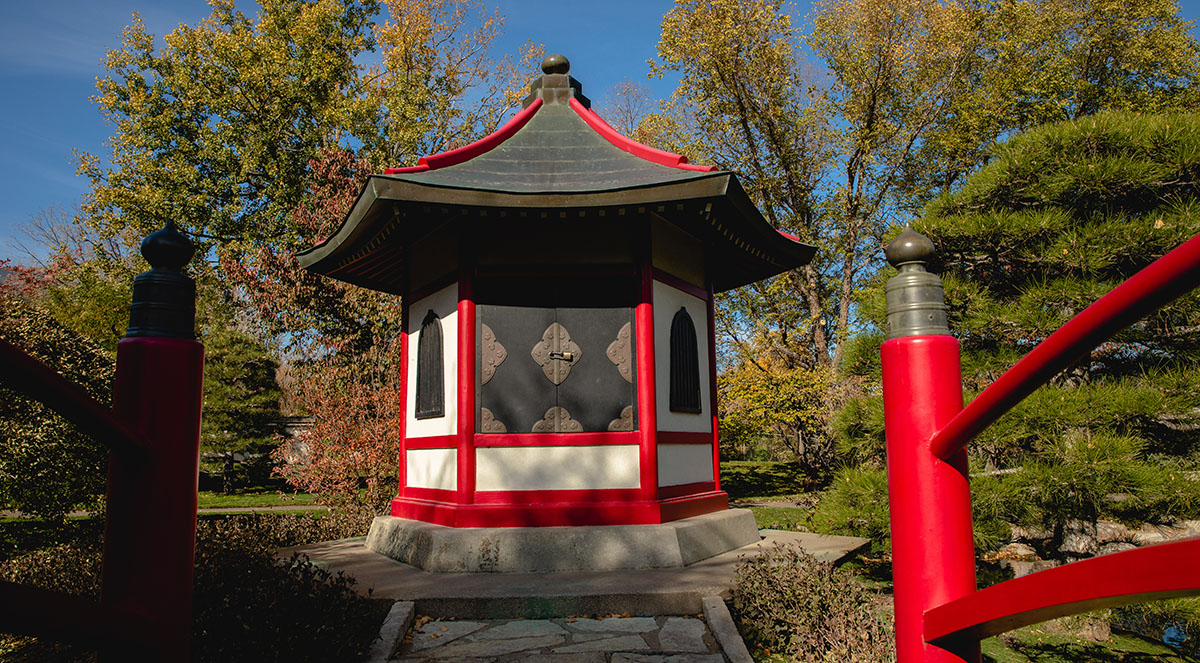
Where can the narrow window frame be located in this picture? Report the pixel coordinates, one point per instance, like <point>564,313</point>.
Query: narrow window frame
<point>685,391</point>
<point>430,388</point>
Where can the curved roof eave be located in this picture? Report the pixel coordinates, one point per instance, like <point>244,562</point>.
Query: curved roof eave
<point>558,154</point>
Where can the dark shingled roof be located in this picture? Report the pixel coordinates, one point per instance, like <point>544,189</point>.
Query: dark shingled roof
<point>555,154</point>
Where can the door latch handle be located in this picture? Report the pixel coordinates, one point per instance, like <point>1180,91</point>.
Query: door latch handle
<point>565,356</point>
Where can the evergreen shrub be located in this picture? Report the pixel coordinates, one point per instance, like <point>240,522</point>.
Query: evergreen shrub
<point>248,605</point>
<point>856,504</point>
<point>48,467</point>
<point>788,602</point>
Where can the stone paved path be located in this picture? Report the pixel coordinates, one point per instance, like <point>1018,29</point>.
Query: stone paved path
<point>562,640</point>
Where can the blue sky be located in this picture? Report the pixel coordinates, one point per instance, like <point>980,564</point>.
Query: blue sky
<point>51,52</point>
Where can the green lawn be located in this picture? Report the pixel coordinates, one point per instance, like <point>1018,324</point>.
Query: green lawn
<point>1039,644</point>
<point>210,499</point>
<point>779,517</point>
<point>743,478</point>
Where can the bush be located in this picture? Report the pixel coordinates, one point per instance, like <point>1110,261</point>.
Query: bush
<point>788,602</point>
<point>251,607</point>
<point>73,568</point>
<point>248,605</point>
<point>266,531</point>
<point>856,504</point>
<point>48,467</point>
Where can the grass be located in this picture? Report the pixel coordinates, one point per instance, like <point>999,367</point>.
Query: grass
<point>743,478</point>
<point>1039,644</point>
<point>259,498</point>
<point>780,518</point>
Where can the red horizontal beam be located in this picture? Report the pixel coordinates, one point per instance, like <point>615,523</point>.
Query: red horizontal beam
<point>1162,281</point>
<point>34,611</point>
<point>1163,571</point>
<point>588,439</point>
<point>26,375</point>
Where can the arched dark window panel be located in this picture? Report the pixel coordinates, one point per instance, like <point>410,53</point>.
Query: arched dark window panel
<point>685,364</point>
<point>429,369</point>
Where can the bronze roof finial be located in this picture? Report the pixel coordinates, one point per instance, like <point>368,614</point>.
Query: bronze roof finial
<point>556,63</point>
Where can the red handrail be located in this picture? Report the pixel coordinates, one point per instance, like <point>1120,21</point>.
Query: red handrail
<point>1162,281</point>
<point>940,616</point>
<point>1163,571</point>
<point>26,375</point>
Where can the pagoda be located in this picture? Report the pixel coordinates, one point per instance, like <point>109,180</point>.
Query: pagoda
<point>557,281</point>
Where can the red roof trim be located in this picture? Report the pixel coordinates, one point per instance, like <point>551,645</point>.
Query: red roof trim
<point>632,146</point>
<point>468,152</point>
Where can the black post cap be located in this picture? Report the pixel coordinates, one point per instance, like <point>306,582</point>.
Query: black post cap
<point>164,298</point>
<point>909,246</point>
<point>916,305</point>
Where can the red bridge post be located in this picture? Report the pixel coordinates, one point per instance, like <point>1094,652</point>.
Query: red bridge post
<point>933,556</point>
<point>150,526</point>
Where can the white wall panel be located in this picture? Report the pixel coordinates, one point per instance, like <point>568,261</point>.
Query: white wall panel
<point>432,468</point>
<point>557,468</point>
<point>444,304</point>
<point>684,463</point>
<point>667,302</point>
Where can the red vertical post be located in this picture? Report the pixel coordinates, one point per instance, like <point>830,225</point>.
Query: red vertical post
<point>402,428</point>
<point>647,396</point>
<point>150,513</point>
<point>933,555</point>
<point>466,378</point>
<point>712,386</point>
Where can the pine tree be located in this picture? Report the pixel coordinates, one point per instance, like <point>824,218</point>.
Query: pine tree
<point>241,408</point>
<point>1060,216</point>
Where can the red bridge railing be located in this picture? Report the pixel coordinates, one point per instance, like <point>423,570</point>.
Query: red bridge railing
<point>153,434</point>
<point>940,616</point>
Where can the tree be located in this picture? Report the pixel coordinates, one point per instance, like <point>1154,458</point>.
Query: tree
<point>626,105</point>
<point>345,363</point>
<point>349,455</point>
<point>822,154</point>
<point>47,467</point>
<point>256,133</point>
<point>904,99</point>
<point>1061,216</point>
<point>84,280</point>
<point>439,88</point>
<point>1041,61</point>
<point>821,160</point>
<point>215,130</point>
<point>241,408</point>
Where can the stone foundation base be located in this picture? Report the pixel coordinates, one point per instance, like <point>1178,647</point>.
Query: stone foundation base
<point>441,549</point>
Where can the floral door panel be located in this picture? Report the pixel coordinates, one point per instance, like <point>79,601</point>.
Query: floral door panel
<point>555,370</point>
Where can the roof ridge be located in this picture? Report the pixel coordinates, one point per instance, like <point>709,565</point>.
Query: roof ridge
<point>627,144</point>
<point>472,150</point>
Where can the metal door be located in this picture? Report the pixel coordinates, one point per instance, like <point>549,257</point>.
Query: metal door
<point>555,370</point>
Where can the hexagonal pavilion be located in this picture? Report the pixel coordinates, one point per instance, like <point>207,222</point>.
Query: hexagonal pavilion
<point>557,282</point>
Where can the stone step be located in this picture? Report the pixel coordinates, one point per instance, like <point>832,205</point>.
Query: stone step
<point>669,591</point>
